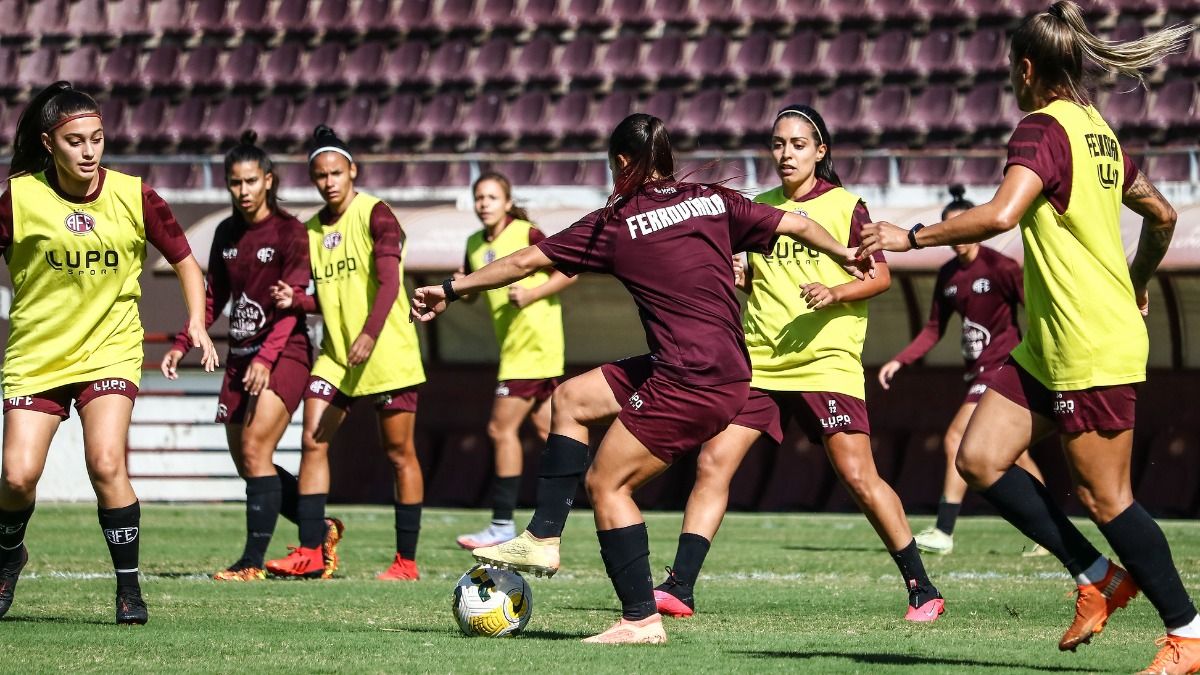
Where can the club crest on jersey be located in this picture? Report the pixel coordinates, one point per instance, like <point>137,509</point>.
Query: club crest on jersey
<point>950,291</point>
<point>222,411</point>
<point>229,253</point>
<point>266,254</point>
<point>331,240</point>
<point>489,256</point>
<point>981,286</point>
<point>246,319</point>
<point>79,222</point>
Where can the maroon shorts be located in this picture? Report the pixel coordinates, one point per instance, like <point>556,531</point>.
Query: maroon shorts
<point>979,384</point>
<point>289,377</point>
<point>538,390</point>
<point>1095,409</point>
<point>819,414</point>
<point>57,401</point>
<point>400,400</point>
<point>670,418</point>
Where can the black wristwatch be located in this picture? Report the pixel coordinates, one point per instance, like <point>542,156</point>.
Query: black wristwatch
<point>448,289</point>
<point>912,236</point>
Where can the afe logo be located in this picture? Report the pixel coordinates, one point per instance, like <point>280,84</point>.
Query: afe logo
<point>332,240</point>
<point>981,286</point>
<point>489,256</point>
<point>80,223</point>
<point>321,388</point>
<point>266,255</point>
<point>121,535</point>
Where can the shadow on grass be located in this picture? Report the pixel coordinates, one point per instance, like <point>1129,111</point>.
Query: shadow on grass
<point>56,619</point>
<point>906,660</point>
<point>529,634</point>
<point>826,549</point>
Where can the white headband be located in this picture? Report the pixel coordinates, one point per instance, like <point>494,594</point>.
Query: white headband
<point>805,116</point>
<point>330,148</point>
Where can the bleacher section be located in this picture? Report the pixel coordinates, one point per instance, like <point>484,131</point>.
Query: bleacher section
<point>178,76</point>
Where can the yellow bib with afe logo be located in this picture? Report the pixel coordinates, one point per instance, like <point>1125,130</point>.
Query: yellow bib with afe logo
<point>792,347</point>
<point>1085,329</point>
<point>75,270</point>
<point>343,267</point>
<point>530,339</point>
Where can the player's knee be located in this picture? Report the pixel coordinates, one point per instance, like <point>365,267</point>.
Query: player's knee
<point>951,441</point>
<point>711,471</point>
<point>567,400</point>
<point>597,485</point>
<point>309,444</point>
<point>20,483</point>
<point>106,467</point>
<point>1102,507</point>
<point>402,455</point>
<point>969,466</point>
<point>498,432</point>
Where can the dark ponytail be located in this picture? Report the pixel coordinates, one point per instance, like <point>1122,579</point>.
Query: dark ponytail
<point>48,109</point>
<point>643,140</point>
<point>824,170</point>
<point>957,202</point>
<point>247,150</point>
<point>515,212</point>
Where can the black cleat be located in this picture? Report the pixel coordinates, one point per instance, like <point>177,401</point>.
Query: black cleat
<point>9,574</point>
<point>131,609</point>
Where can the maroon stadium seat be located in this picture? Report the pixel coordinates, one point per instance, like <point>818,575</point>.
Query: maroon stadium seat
<point>845,58</point>
<point>46,20</point>
<point>171,18</point>
<point>753,63</point>
<point>903,13</point>
<point>365,68</point>
<point>595,173</point>
<point>938,57</point>
<point>39,68</point>
<point>12,29</point>
<point>662,61</point>
<point>1175,107</point>
<point>1167,486</point>
<point>746,117</point>
<point>980,171</point>
<point>992,12</point>
<point>295,19</point>
<point>439,174</point>
<point>311,111</point>
<point>114,111</point>
<point>569,117</point>
<point>481,123</point>
<point>860,170</point>
<point>800,477</point>
<point>375,19</point>
<point>230,117</point>
<point>1182,6</point>
<point>587,14</point>
<point>211,17</point>
<point>161,70</point>
<point>700,118</point>
<point>176,176</point>
<point>985,53</point>
<point>679,14</point>
<point>503,17</point>
<point>457,17</point>
<point>186,124</point>
<point>983,110</point>
<point>269,118</point>
<point>919,482</point>
<point>491,63</point>
<point>284,68</point>
<point>448,66</point>
<point>414,17</point>
<point>844,103</point>
<point>440,120</point>
<point>145,119</point>
<point>889,104</point>
<point>1126,108</point>
<point>891,56</point>
<point>335,18</point>
<point>799,58</point>
<point>727,15</point>
<point>253,17</point>
<point>709,59</point>
<point>1186,62</point>
<point>382,174</point>
<point>292,174</point>
<point>778,14</point>
<point>356,117</point>
<point>579,61</point>
<point>607,114</point>
<point>1174,167</point>
<point>1127,28</point>
<point>518,172</point>
<point>129,20</point>
<point>546,14</point>
<point>242,67</point>
<point>855,13</point>
<point>325,67</point>
<point>408,65</point>
<point>932,112</point>
<point>82,69</point>
<point>622,61</point>
<point>632,14</point>
<point>201,69</point>
<point>558,172</point>
<point>535,64</point>
<point>395,122</point>
<point>951,12</point>
<point>121,71</point>
<point>525,121</point>
<point>927,170</point>
<point>662,104</point>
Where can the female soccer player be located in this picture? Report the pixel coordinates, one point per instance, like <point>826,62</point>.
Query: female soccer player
<point>1076,370</point>
<point>984,286</point>
<point>269,351</point>
<point>369,350</point>
<point>805,324</point>
<point>74,235</point>
<point>527,319</point>
<point>669,243</point>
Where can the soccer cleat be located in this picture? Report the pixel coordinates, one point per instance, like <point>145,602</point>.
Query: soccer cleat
<point>131,609</point>
<point>673,598</point>
<point>1036,552</point>
<point>489,536</point>
<point>1176,656</point>
<point>334,529</point>
<point>402,569</point>
<point>625,632</point>
<point>525,553</point>
<point>8,579</point>
<point>923,612</point>
<point>1095,604</point>
<point>241,572</point>
<point>933,540</point>
<point>308,563</point>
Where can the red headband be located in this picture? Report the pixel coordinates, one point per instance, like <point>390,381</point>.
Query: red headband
<point>72,118</point>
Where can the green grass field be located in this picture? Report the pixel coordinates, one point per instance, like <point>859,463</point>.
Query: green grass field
<point>780,593</point>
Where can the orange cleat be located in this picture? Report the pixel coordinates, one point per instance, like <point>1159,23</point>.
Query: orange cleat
<point>300,562</point>
<point>402,569</point>
<point>625,632</point>
<point>333,536</point>
<point>1176,656</point>
<point>241,574</point>
<point>1095,604</point>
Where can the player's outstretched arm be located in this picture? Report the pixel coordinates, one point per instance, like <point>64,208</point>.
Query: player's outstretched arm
<point>810,232</point>
<point>429,301</point>
<point>1158,226</point>
<point>192,281</point>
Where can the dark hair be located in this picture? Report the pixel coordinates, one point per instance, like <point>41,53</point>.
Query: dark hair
<point>824,170</point>
<point>643,140</point>
<point>50,107</point>
<point>247,150</point>
<point>324,138</point>
<point>957,202</point>
<point>515,212</point>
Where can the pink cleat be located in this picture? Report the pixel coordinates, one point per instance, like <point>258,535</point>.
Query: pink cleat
<point>625,632</point>
<point>671,605</point>
<point>927,612</point>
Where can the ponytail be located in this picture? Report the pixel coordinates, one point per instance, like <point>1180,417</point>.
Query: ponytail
<point>52,106</point>
<point>515,212</point>
<point>824,169</point>
<point>247,150</point>
<point>957,202</point>
<point>642,139</point>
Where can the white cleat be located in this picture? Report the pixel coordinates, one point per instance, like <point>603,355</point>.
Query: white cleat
<point>933,540</point>
<point>493,534</point>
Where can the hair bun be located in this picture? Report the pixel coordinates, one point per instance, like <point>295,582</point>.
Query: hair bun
<point>323,130</point>
<point>249,137</point>
<point>957,191</point>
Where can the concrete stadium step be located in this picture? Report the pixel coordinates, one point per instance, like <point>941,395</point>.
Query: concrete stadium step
<point>189,465</point>
<point>182,409</point>
<point>190,436</point>
<point>189,489</point>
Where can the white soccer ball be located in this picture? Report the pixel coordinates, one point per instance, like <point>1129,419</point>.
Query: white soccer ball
<point>492,602</point>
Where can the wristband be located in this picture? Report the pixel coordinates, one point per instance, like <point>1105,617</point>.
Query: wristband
<point>448,289</point>
<point>912,236</point>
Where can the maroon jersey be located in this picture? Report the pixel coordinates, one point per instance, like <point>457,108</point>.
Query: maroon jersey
<point>246,258</point>
<point>985,293</point>
<point>670,245</point>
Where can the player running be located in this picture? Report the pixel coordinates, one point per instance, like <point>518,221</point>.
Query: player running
<point>984,286</point>
<point>1077,368</point>
<point>527,319</point>
<point>269,351</point>
<point>74,235</point>
<point>369,349</point>
<point>805,324</point>
<point>669,243</point>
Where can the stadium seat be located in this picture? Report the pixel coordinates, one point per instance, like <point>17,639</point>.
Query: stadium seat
<point>891,103</point>
<point>662,61</point>
<point>774,14</point>
<point>382,175</point>
<point>293,174</point>
<point>414,17</point>
<point>394,123</point>
<point>408,65</point>
<point>160,73</point>
<point>1173,167</point>
<point>909,14</point>
<point>47,21</point>
<point>662,104</point>
<point>844,103</point>
<point>254,18</point>
<point>845,58</point>
<point>231,116</point>
<point>12,29</point>
<point>177,176</point>
<point>39,68</point>
<point>677,14</point>
<point>439,174</point>
<point>525,121</point>
<point>169,18</point>
<point>295,19</point>
<point>720,13</point>
<point>503,17</point>
<point>284,68</point>
<point>491,64</point>
<point>874,170</point>
<point>375,20</point>
<point>985,54</point>
<point>518,172</point>
<point>448,65</point>
<point>121,72</point>
<point>186,125</point>
<point>211,18</point>
<point>129,20</point>
<point>596,174</point>
<point>1175,108</point>
<point>1186,62</point>
<point>983,110</point>
<point>116,133</point>
<point>587,14</point>
<point>622,61</point>
<point>335,20</point>
<point>355,117</point>
<point>324,68</point>
<point>606,115</point>
<point>81,68</point>
<point>634,15</point>
<point>535,65</point>
<point>578,63</point>
<point>456,17</point>
<point>980,171</point>
<point>545,14</point>
<point>855,14</point>
<point>799,57</point>
<point>753,62</point>
<point>938,57</point>
<point>439,121</point>
<point>269,118</point>
<point>700,119</point>
<point>709,59</point>
<point>951,13</point>
<point>568,119</point>
<point>746,118</point>
<point>241,68</point>
<point>891,56</point>
<point>479,128</point>
<point>1167,486</point>
<point>145,119</point>
<point>365,67</point>
<point>927,170</point>
<point>931,113</point>
<point>201,70</point>
<point>311,111</point>
<point>1126,110</point>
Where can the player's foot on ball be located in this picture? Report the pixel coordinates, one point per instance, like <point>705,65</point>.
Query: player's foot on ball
<point>9,573</point>
<point>496,533</point>
<point>402,569</point>
<point>925,604</point>
<point>933,540</point>
<point>673,598</point>
<point>334,529</point>
<point>131,609</point>
<point>1176,656</point>
<point>625,632</point>
<point>525,553</point>
<point>241,570</point>
<point>299,562</point>
<point>1036,552</point>
<point>1095,604</point>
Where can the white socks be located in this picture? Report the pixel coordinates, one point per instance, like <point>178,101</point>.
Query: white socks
<point>1094,574</point>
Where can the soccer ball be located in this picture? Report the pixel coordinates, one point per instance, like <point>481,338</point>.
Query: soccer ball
<point>492,602</point>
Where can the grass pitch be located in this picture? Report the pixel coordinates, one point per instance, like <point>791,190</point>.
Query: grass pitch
<point>780,592</point>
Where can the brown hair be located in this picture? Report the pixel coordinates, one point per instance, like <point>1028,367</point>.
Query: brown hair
<point>515,212</point>
<point>50,108</point>
<point>1061,48</point>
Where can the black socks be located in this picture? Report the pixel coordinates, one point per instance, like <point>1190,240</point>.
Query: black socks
<point>1139,543</point>
<point>263,496</point>
<point>122,532</point>
<point>626,553</point>
<point>504,497</point>
<point>12,531</point>
<point>310,512</point>
<point>912,570</point>
<point>289,494</point>
<point>1026,503</point>
<point>564,462</point>
<point>947,515</point>
<point>689,558</point>
<point>408,529</point>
